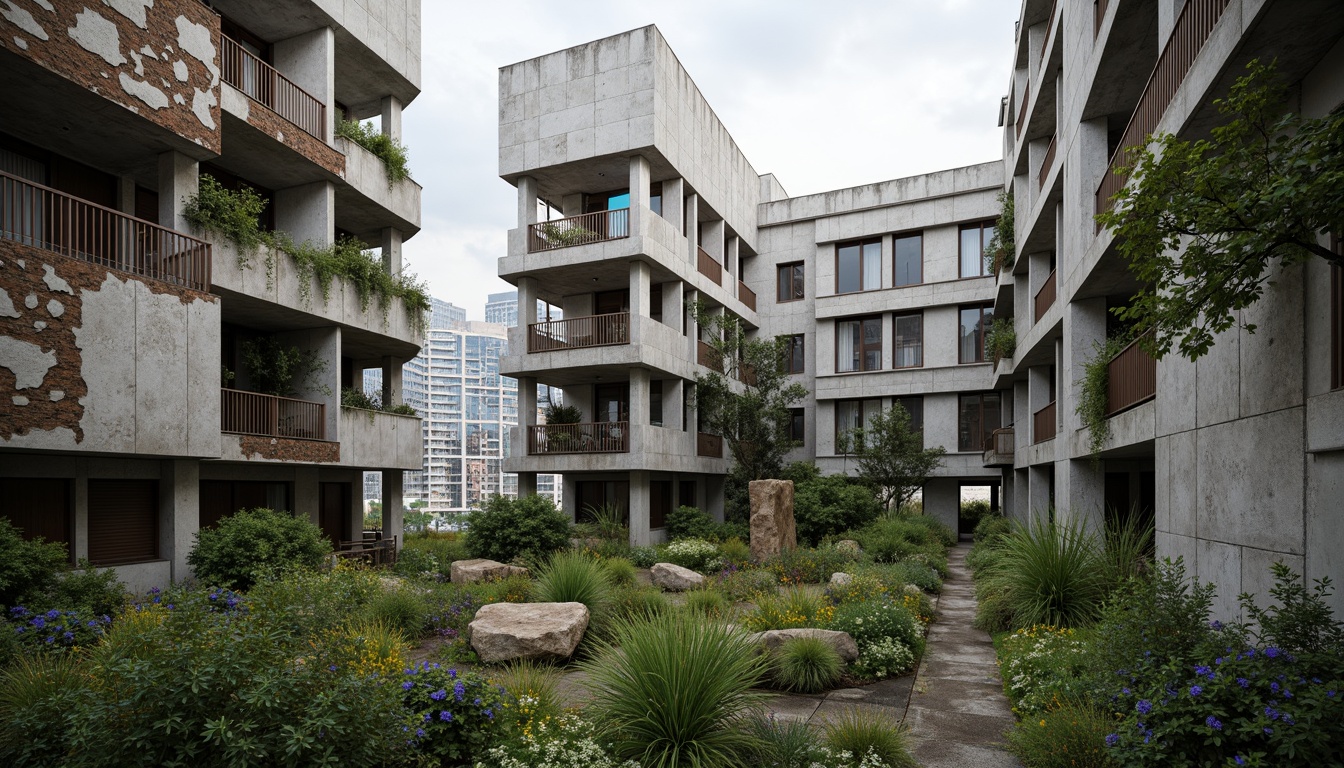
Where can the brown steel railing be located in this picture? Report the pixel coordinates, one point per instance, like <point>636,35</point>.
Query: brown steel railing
<point>746,295</point>
<point>1047,163</point>
<point>1045,297</point>
<point>1192,30</point>
<point>1131,378</point>
<point>1050,25</point>
<point>253,413</point>
<point>374,552</point>
<point>1043,424</point>
<point>593,437</point>
<point>45,218</point>
<point>708,266</point>
<point>708,356</point>
<point>999,448</point>
<point>1022,111</point>
<point>708,445</point>
<point>264,84</point>
<point>579,332</point>
<point>578,230</point>
<point>1098,15</point>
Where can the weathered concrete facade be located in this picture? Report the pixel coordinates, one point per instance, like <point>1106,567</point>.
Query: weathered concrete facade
<point>128,412</point>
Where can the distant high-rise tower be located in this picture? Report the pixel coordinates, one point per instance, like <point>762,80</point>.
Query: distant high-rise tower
<point>502,308</point>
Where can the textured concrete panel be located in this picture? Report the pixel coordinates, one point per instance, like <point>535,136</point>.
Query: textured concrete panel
<point>1324,523</point>
<point>1220,564</point>
<point>161,374</point>
<point>1183,487</point>
<point>1241,471</point>
<point>1218,381</point>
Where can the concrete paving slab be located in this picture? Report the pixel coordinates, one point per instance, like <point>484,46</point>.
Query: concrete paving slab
<point>889,693</point>
<point>831,710</point>
<point>957,726</point>
<point>932,753</point>
<point>961,696</point>
<point>959,670</point>
<point>793,708</point>
<point>973,654</point>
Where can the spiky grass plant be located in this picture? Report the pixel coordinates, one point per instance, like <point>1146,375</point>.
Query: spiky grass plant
<point>574,577</point>
<point>35,692</point>
<point>861,731</point>
<point>669,692</point>
<point>709,603</point>
<point>1073,734</point>
<point>807,665</point>
<point>532,690</point>
<point>622,571</point>
<point>1049,573</point>
<point>785,743</point>
<point>1128,547</point>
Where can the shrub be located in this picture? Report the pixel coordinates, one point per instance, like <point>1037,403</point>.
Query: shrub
<point>918,574</point>
<point>695,554</point>
<point>787,744</point>
<point>1127,548</point>
<point>621,570</point>
<point>401,608</point>
<point>310,603</point>
<point>644,557</point>
<point>509,529</point>
<point>747,586</point>
<point>635,602</point>
<point>573,577</point>
<point>823,506</point>
<point>689,523</point>
<point>736,553</point>
<point>884,658</point>
<point>1042,666</point>
<point>446,548</point>
<point>256,544</point>
<point>566,741</point>
<point>418,561</point>
<point>796,607</point>
<point>89,590</point>
<point>28,569</point>
<point>707,602</point>
<point>1071,735</point>
<point>54,631</point>
<point>806,665</point>
<point>1049,573</point>
<point>861,587</point>
<point>234,215</point>
<point>454,713</point>
<point>860,732</point>
<point>991,527</point>
<point>662,711</point>
<point>874,620</point>
<point>808,566</point>
<point>973,512</point>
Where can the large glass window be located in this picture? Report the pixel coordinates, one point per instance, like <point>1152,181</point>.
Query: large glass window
<point>913,405</point>
<point>796,421</point>
<point>974,260</point>
<point>858,344</point>
<point>908,351</point>
<point>851,415</point>
<point>790,282</point>
<point>977,418</point>
<point>908,259</point>
<point>794,354</point>
<point>974,323</point>
<point>858,266</point>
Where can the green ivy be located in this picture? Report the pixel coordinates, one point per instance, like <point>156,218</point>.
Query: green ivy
<point>1092,397</point>
<point>388,149</point>
<point>276,369</point>
<point>1001,339</point>
<point>1003,244</point>
<point>357,398</point>
<point>233,215</point>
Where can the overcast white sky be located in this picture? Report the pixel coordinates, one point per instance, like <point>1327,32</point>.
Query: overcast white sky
<point>825,95</point>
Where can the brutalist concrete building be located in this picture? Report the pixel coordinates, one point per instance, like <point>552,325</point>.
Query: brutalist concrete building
<point>128,418</point>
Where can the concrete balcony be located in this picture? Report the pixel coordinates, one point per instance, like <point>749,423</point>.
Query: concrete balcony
<point>380,440</point>
<point>368,203</point>
<point>610,447</point>
<point>574,350</point>
<point>999,452</point>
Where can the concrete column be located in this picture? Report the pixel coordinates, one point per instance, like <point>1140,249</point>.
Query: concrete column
<point>179,512</point>
<point>81,492</point>
<point>673,210</point>
<point>392,382</point>
<point>1038,495</point>
<point>306,495</point>
<point>391,251</point>
<point>673,392</point>
<point>731,248</point>
<point>639,396</point>
<point>527,201</point>
<point>126,195</point>
<point>178,178</point>
<point>392,511</point>
<point>569,495</point>
<point>527,484</point>
<point>527,402</point>
<point>639,508</point>
<point>712,240</point>
<point>309,60</point>
<point>527,301</point>
<point>1080,493</point>
<point>674,296</point>
<point>307,212</point>
<point>391,109</point>
<point>693,224</point>
<point>639,193</point>
<point>639,289</point>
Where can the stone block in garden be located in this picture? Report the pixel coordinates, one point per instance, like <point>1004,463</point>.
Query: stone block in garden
<point>674,578</point>
<point>480,569</point>
<point>849,545</point>
<point>841,579</point>
<point>772,524</point>
<point>506,631</point>
<point>843,644</point>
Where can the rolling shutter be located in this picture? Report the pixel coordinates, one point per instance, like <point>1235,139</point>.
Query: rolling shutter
<point>123,521</point>
<point>38,507</point>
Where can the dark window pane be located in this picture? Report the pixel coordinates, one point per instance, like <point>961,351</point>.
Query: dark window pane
<point>915,407</point>
<point>847,269</point>
<point>909,345</point>
<point>909,259</point>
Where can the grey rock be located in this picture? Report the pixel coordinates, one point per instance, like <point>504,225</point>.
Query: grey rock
<point>504,631</point>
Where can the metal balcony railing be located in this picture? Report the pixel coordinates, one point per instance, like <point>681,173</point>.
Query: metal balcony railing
<point>42,217</point>
<point>1043,424</point>
<point>999,448</point>
<point>254,413</point>
<point>1131,379</point>
<point>1045,297</point>
<point>592,437</point>
<point>708,445</point>
<point>578,230</point>
<point>1049,27</point>
<point>264,84</point>
<point>708,266</point>
<point>1022,111</point>
<point>708,356</point>
<point>746,295</point>
<point>579,332</point>
<point>1047,163</point>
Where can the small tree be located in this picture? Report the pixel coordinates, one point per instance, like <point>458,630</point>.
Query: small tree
<point>892,458</point>
<point>256,544</point>
<point>747,399</point>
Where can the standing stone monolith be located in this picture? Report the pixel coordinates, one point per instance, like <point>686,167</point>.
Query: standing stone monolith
<point>772,527</point>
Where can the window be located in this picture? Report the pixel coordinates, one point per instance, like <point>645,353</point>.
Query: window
<point>974,260</point>
<point>656,402</point>
<point>908,259</point>
<point>793,354</point>
<point>915,407</point>
<point>858,344</point>
<point>851,415</point>
<point>796,424</point>
<point>656,197</point>
<point>909,340</point>
<point>858,266</point>
<point>123,521</point>
<point>790,283</point>
<point>977,418</point>
<point>40,507</point>
<point>974,323</point>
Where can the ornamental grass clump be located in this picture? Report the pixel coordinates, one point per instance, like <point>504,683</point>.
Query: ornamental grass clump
<point>573,577</point>
<point>669,692</point>
<point>864,733</point>
<point>1048,573</point>
<point>1072,734</point>
<point>806,665</point>
<point>709,603</point>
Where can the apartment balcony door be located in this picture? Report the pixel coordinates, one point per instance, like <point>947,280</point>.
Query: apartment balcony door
<point>611,302</point>
<point>333,507</point>
<point>611,402</point>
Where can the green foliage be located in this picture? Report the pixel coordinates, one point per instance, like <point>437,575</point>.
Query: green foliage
<point>883,658</point>
<point>35,693</point>
<point>1207,224</point>
<point>1298,620</point>
<point>873,620</point>
<point>28,569</point>
<point>620,569</point>
<point>863,731</point>
<point>689,523</point>
<point>232,215</point>
<point>88,590</point>
<point>1043,666</point>
<point>793,608</point>
<point>1128,547</point>
<point>573,577</point>
<point>357,398</point>
<point>444,548</point>
<point>533,687</point>
<point>1002,246</point>
<point>696,554</point>
<point>1001,339</point>
<point>279,370</point>
<point>734,552</point>
<point>709,603</point>
<point>606,521</point>
<point>416,561</point>
<point>633,602</point>
<point>787,744</point>
<point>386,148</point>
<point>559,236</point>
<point>1071,736</point>
<point>557,413</point>
<point>508,529</point>
<point>644,557</point>
<point>664,712</point>
<point>891,457</point>
<point>991,527</point>
<point>1049,573</point>
<point>748,585</point>
<point>566,741</point>
<point>452,713</point>
<point>826,505</point>
<point>806,665</point>
<point>973,511</point>
<point>313,603</point>
<point>401,608</point>
<point>1091,407</point>
<point>749,402</point>
<point>808,566</point>
<point>256,544</point>
<point>919,575</point>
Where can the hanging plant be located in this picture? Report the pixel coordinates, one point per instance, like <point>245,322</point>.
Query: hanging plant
<point>1092,391</point>
<point>1003,245</point>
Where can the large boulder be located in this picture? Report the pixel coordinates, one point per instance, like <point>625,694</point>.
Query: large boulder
<point>841,579</point>
<point>505,631</point>
<point>849,546</point>
<point>674,577</point>
<point>467,571</point>
<point>772,525</point>
<point>843,644</point>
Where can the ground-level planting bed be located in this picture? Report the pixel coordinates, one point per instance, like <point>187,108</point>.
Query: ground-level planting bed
<point>335,665</point>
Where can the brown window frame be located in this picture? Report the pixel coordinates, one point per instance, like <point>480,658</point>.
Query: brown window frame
<point>895,339</point>
<point>907,236</point>
<point>986,316</point>
<point>984,259</point>
<point>861,245</point>
<point>863,347</point>
<point>984,434</point>
<point>797,287</point>
<point>795,363</point>
<point>864,403</point>
<point>797,424</point>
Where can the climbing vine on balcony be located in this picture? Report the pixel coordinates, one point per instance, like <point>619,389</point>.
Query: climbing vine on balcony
<point>1003,246</point>
<point>1092,391</point>
<point>1001,338</point>
<point>389,150</point>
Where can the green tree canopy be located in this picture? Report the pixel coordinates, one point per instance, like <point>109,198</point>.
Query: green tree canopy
<point>891,457</point>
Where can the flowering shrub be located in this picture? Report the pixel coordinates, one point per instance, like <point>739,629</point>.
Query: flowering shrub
<point>878,620</point>
<point>695,554</point>
<point>568,741</point>
<point>643,557</point>
<point>55,630</point>
<point>1040,666</point>
<point>808,566</point>
<point>883,658</point>
<point>861,587</point>
<point>795,608</point>
<point>746,585</point>
<point>452,714</point>
<point>1072,735</point>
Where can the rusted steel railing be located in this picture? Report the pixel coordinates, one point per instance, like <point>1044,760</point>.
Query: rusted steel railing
<point>708,266</point>
<point>1022,111</point>
<point>254,413</point>
<point>746,295</point>
<point>708,356</point>
<point>708,445</point>
<point>579,332</point>
<point>591,437</point>
<point>578,230</point>
<point>1045,297</point>
<point>1043,424</point>
<point>1131,379</point>
<point>264,84</point>
<point>1192,30</point>
<point>1047,163</point>
<point>42,217</point>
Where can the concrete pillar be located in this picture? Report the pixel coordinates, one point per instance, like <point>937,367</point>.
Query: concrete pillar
<point>392,511</point>
<point>693,224</point>
<point>392,382</point>
<point>527,401</point>
<point>639,193</point>
<point>639,289</point>
<point>1038,495</point>
<point>527,484</point>
<point>639,396</point>
<point>731,248</point>
<point>673,392</point>
<point>179,512</point>
<point>391,242</point>
<point>569,495</point>
<point>674,297</point>
<point>178,179</point>
<point>673,208</point>
<point>322,386</point>
<point>81,493</point>
<point>307,212</point>
<point>126,195</point>
<point>712,240</point>
<point>714,497</point>
<point>306,492</point>
<point>640,502</point>
<point>527,201</point>
<point>391,109</point>
<point>309,60</point>
<point>527,301</point>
